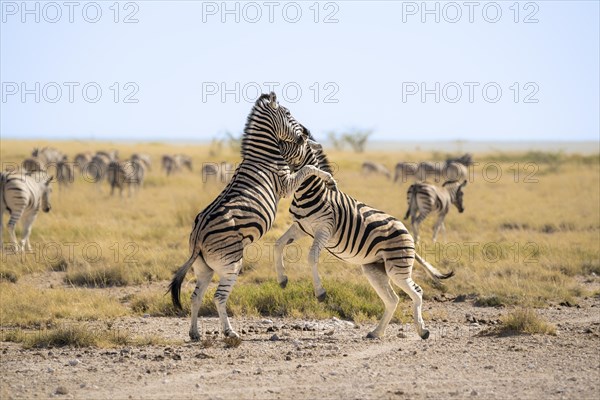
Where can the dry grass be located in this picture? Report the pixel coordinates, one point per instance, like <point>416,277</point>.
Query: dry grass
<point>525,321</point>
<point>517,243</point>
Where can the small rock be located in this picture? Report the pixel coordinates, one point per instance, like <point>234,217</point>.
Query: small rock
<point>146,315</point>
<point>73,363</point>
<point>61,390</point>
<point>474,392</point>
<point>198,386</point>
<point>266,321</point>
<point>288,358</point>
<point>236,371</point>
<point>274,338</point>
<point>50,370</point>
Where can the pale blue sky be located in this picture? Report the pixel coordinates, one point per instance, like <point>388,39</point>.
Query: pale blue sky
<point>371,58</point>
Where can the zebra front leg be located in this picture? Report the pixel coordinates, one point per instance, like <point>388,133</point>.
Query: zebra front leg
<point>203,277</point>
<point>291,182</point>
<point>321,237</point>
<point>293,233</point>
<point>226,283</point>
<point>378,278</point>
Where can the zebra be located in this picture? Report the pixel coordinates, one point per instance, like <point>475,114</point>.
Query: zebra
<point>353,232</point>
<point>245,209</point>
<point>22,195</point>
<point>144,158</point>
<point>129,173</point>
<point>174,163</point>
<point>47,155</point>
<point>466,160</point>
<point>95,170</point>
<point>370,167</point>
<point>64,173</point>
<point>32,165</point>
<point>82,159</point>
<point>405,170</point>
<point>423,198</point>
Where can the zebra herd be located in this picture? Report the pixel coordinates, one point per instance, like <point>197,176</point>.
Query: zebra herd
<point>423,197</point>
<point>25,188</point>
<point>281,158</point>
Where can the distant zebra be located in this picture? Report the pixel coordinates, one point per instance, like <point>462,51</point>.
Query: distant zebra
<point>144,158</point>
<point>171,164</point>
<point>32,165</point>
<point>64,173</point>
<point>82,159</point>
<point>405,171</point>
<point>370,167</point>
<point>213,172</point>
<point>95,170</point>
<point>47,156</point>
<point>128,173</point>
<point>23,195</point>
<point>245,209</point>
<point>353,232</point>
<point>423,198</point>
<point>466,160</point>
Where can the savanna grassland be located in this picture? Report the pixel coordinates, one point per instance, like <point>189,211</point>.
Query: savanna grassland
<point>86,315</point>
<point>529,237</point>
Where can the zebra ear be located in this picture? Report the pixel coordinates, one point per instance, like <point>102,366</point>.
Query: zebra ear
<point>463,184</point>
<point>273,101</point>
<point>314,145</point>
<point>49,180</point>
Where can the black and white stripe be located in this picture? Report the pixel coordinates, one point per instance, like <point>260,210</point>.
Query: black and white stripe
<point>245,209</point>
<point>356,233</point>
<point>424,198</point>
<point>22,196</point>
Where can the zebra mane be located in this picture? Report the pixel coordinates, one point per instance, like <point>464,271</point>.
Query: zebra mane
<point>322,161</point>
<point>251,120</point>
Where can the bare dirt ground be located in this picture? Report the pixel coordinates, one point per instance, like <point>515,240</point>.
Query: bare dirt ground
<point>284,358</point>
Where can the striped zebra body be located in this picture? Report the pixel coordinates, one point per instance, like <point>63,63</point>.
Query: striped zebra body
<point>47,156</point>
<point>356,233</point>
<point>143,158</point>
<point>245,209</point>
<point>429,171</point>
<point>81,161</point>
<point>96,169</point>
<point>424,198</point>
<point>65,174</point>
<point>128,174</point>
<point>23,195</point>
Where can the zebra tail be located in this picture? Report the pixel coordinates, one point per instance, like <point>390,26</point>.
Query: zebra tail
<point>431,270</point>
<point>175,285</point>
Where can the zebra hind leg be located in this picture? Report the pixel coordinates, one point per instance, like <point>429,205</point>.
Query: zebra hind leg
<point>203,277</point>
<point>27,224</point>
<point>321,237</point>
<point>416,294</point>
<point>226,283</point>
<point>378,278</point>
<point>294,232</point>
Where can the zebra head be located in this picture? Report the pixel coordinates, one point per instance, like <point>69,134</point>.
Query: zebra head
<point>459,197</point>
<point>46,190</point>
<point>269,124</point>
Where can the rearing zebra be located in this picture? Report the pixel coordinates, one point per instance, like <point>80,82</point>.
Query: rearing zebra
<point>353,232</point>
<point>245,209</point>
<point>22,195</point>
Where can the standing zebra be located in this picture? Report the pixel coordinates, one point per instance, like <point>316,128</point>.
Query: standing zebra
<point>31,165</point>
<point>353,232</point>
<point>144,158</point>
<point>22,195</point>
<point>95,170</point>
<point>171,164</point>
<point>370,167</point>
<point>405,171</point>
<point>82,159</point>
<point>423,198</point>
<point>64,173</point>
<point>245,209</point>
<point>129,173</point>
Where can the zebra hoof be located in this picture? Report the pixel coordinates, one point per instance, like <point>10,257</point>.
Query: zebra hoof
<point>284,282</point>
<point>195,336</point>
<point>425,334</point>
<point>372,335</point>
<point>322,297</point>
